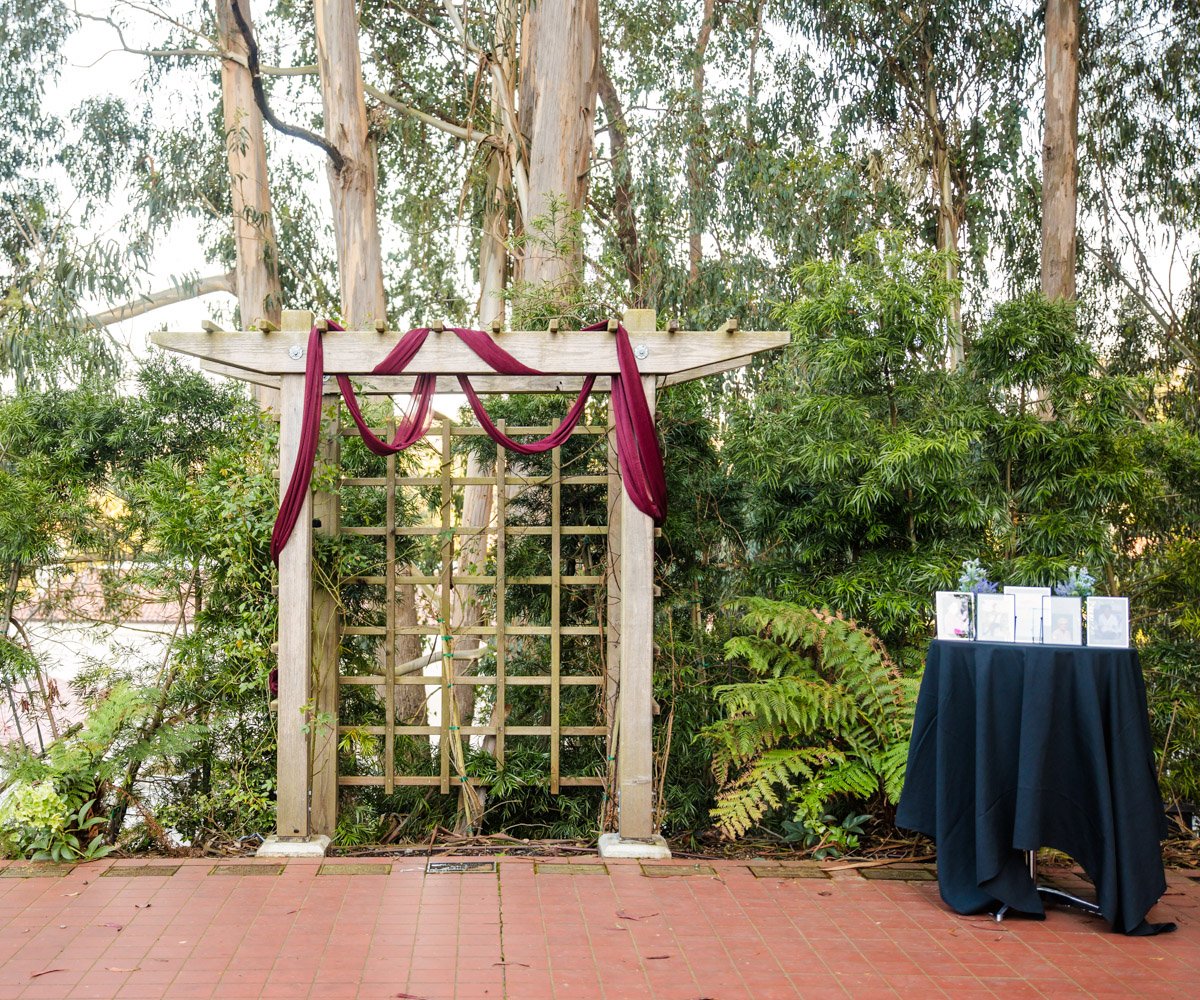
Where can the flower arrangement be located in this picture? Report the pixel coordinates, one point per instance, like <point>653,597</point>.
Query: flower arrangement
<point>1079,583</point>
<point>973,579</point>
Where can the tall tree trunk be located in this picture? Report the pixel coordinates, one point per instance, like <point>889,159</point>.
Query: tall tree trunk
<point>356,234</point>
<point>560,46</point>
<point>948,217</point>
<point>1060,167</point>
<point>478,501</point>
<point>257,274</point>
<point>352,189</point>
<point>947,239</point>
<point>493,244</point>
<point>696,176</point>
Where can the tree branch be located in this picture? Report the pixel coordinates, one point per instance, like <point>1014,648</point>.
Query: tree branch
<point>500,86</point>
<point>618,139</point>
<point>179,292</point>
<point>260,96</point>
<point>307,69</point>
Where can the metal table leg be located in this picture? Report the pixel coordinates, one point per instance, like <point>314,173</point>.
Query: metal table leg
<point>1050,895</point>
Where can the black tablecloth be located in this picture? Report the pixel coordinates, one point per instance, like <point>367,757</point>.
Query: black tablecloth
<point>1016,747</point>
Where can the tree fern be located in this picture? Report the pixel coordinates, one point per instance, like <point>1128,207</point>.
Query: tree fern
<point>827,718</point>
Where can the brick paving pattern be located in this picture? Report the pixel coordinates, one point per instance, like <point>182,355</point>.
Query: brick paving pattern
<point>386,929</point>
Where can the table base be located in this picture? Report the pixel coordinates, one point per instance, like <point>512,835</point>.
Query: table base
<point>1049,894</point>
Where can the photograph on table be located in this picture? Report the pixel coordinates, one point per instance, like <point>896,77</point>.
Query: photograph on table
<point>1028,613</point>
<point>1108,622</point>
<point>1062,621</point>
<point>995,617</point>
<point>955,615</point>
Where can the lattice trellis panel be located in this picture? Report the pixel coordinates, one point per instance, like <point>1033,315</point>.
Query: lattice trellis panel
<point>555,653</point>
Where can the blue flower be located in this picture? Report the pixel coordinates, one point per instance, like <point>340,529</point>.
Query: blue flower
<point>974,578</point>
<point>1079,583</point>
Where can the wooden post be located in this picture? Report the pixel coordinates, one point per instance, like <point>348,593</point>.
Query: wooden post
<point>635,742</point>
<point>326,645</point>
<point>295,620</point>
<point>612,625</point>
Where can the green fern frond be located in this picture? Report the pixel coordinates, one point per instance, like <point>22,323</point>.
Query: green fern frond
<point>827,718</point>
<point>748,799</point>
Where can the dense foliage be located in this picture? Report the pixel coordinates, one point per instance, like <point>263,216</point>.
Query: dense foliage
<point>864,175</point>
<point>873,471</point>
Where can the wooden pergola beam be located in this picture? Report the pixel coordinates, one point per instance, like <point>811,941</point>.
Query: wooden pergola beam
<point>578,352</point>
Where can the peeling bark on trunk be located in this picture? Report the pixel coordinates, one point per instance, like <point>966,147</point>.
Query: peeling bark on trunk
<point>352,189</point>
<point>257,274</point>
<point>1060,170</point>
<point>560,45</point>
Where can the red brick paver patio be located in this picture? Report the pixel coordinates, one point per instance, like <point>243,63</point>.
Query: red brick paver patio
<point>531,930</point>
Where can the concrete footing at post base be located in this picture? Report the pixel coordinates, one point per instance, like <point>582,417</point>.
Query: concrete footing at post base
<point>613,845</point>
<point>301,847</point>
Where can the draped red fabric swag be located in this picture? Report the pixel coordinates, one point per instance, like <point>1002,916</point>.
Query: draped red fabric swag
<point>638,453</point>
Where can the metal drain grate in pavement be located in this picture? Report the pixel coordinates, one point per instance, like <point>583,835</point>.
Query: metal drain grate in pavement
<point>247,870</point>
<point>355,868</point>
<point>459,867</point>
<point>552,868</point>
<point>35,871</point>
<point>788,871</point>
<point>899,874</point>
<point>678,871</point>
<point>140,871</point>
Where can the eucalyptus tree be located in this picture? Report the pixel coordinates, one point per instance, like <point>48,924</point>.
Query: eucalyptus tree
<point>1140,183</point>
<point>941,87</point>
<point>1060,140</point>
<point>46,265</point>
<point>259,290</point>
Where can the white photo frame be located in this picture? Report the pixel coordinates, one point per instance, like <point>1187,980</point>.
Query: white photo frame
<point>1062,619</point>
<point>1028,612</point>
<point>996,617</point>
<point>955,615</point>
<point>1108,622</point>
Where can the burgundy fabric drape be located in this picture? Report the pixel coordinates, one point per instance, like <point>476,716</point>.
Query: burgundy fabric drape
<point>416,422</point>
<point>492,354</point>
<point>499,360</point>
<point>310,429</point>
<point>552,440</point>
<point>638,453</point>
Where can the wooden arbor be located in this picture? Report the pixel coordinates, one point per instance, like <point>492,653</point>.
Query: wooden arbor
<point>308,636</point>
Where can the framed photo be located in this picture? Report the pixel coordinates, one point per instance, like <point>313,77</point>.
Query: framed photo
<point>1108,621</point>
<point>1028,612</point>
<point>1062,621</point>
<point>955,615</point>
<point>996,617</point>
